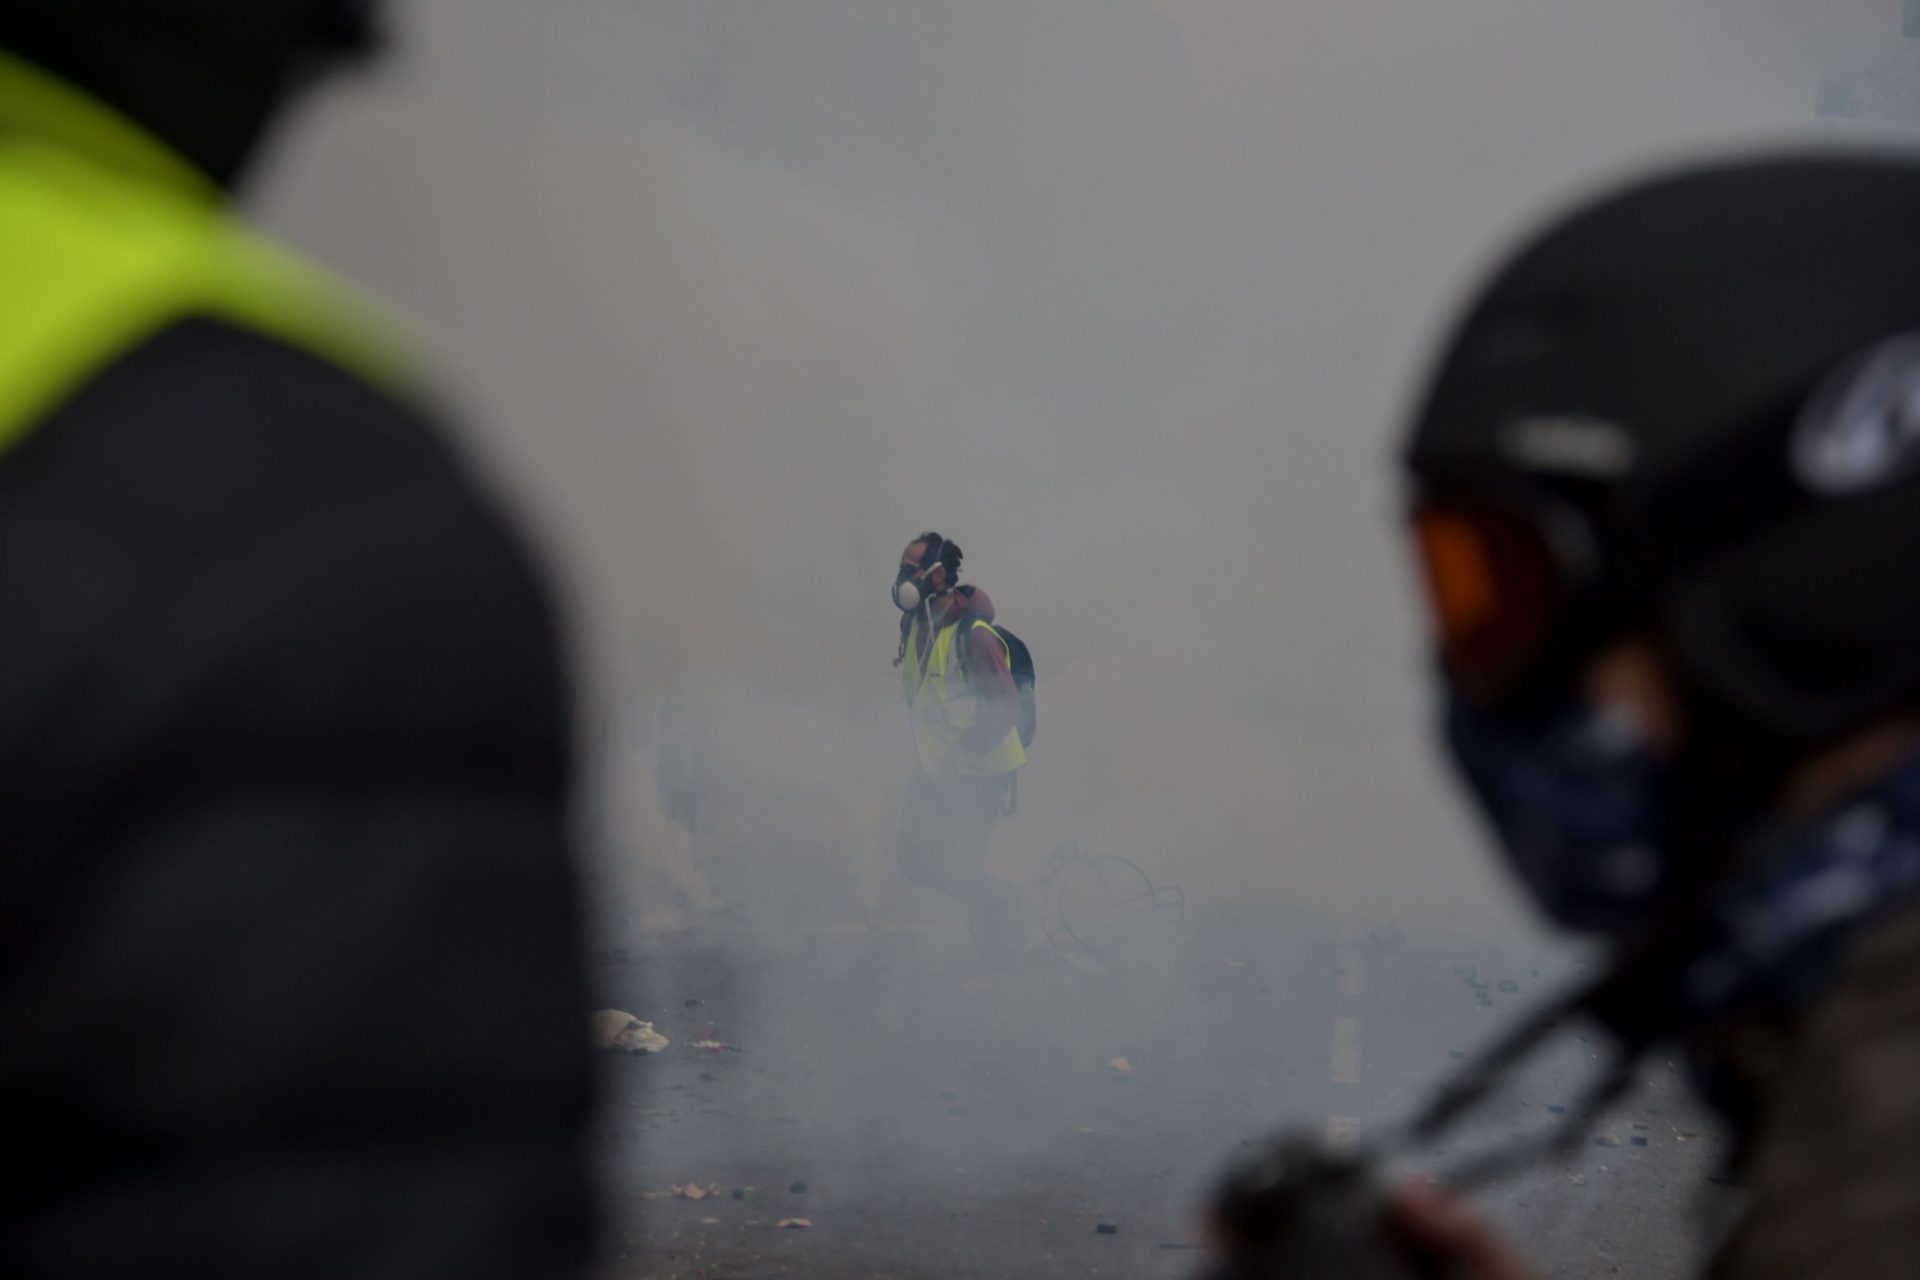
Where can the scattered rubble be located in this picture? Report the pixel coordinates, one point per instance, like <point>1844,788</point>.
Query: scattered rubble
<point>614,1031</point>
<point>694,1191</point>
<point>794,1224</point>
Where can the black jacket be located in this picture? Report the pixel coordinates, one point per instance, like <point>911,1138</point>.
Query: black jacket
<point>288,972</point>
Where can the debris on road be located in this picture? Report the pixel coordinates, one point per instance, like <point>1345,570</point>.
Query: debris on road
<point>1233,964</point>
<point>715,1046</point>
<point>739,1193</point>
<point>694,1191</point>
<point>1106,1228</point>
<point>1637,1141</point>
<point>1509,986</point>
<point>1606,1140</point>
<point>1121,1065</point>
<point>794,1224</point>
<point>615,1031</point>
<point>1556,1109</point>
<point>798,1188</point>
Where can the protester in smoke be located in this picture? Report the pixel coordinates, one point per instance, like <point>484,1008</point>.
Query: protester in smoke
<point>965,709</point>
<point>289,974</point>
<point>1664,482</point>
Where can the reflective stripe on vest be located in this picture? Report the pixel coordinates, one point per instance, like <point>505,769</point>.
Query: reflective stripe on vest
<point>944,708</point>
<point>107,238</point>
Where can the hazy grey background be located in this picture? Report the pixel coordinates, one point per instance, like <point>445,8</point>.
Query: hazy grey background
<point>1126,297</point>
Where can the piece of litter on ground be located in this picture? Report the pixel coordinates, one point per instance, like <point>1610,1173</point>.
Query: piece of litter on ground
<point>1605,1140</point>
<point>616,1031</point>
<point>694,1191</point>
<point>1637,1141</point>
<point>739,1193</point>
<point>1577,1179</point>
<point>1509,986</point>
<point>794,1224</point>
<point>798,1188</point>
<point>1107,1228</point>
<point>714,1046</point>
<point>1121,1064</point>
<point>1556,1109</point>
<point>1234,964</point>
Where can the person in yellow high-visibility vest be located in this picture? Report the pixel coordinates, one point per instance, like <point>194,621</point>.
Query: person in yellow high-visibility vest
<point>964,708</point>
<point>289,972</point>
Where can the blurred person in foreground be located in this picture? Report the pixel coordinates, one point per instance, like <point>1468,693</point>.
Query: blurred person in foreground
<point>288,964</point>
<point>1666,483</point>
<point>964,705</point>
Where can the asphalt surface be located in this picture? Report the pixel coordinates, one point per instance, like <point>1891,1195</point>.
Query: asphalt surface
<point>929,1118</point>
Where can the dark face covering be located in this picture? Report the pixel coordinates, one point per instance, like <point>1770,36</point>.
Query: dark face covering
<point>208,77</point>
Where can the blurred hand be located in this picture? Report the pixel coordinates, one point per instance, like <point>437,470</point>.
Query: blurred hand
<point>1448,1239</point>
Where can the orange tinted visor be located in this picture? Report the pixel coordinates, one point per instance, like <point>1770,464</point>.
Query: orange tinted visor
<point>1495,587</point>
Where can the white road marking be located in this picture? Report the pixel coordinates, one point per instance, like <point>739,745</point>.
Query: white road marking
<point>1346,1050</point>
<point>1343,1133</point>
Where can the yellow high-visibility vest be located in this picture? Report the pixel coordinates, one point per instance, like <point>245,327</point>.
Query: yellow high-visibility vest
<point>107,238</point>
<point>944,708</point>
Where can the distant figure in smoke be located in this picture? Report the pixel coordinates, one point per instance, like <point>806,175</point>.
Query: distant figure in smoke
<point>289,974</point>
<point>1667,484</point>
<point>965,707</point>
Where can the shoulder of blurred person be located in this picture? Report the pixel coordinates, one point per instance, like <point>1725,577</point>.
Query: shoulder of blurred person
<point>290,933</point>
<point>1834,1168</point>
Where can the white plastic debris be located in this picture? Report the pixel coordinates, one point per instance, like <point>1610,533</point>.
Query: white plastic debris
<point>618,1032</point>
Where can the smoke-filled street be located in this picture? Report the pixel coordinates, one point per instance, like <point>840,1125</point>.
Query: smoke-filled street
<point>928,1121</point>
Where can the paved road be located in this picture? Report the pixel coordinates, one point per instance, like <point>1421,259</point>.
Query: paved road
<point>948,1125</point>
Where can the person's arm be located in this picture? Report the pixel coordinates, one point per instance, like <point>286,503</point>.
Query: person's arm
<point>301,990</point>
<point>990,677</point>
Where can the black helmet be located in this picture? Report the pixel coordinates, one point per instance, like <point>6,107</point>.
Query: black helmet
<point>1693,407</point>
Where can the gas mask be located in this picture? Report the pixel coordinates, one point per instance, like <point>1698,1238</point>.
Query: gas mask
<point>910,588</point>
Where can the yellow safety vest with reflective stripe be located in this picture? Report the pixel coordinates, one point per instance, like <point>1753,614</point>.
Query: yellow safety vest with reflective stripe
<point>944,708</point>
<point>107,238</point>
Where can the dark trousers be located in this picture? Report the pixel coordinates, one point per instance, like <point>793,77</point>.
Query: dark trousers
<point>943,845</point>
